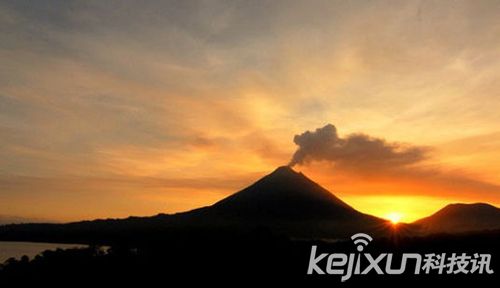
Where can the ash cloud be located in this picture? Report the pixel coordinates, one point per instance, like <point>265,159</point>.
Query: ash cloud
<point>355,151</point>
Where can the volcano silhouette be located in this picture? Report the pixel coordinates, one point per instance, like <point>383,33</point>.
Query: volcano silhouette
<point>288,202</point>
<point>287,195</point>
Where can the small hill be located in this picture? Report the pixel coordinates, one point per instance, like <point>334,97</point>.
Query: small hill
<point>458,218</point>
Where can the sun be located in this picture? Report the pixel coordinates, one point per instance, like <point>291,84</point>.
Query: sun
<point>394,217</point>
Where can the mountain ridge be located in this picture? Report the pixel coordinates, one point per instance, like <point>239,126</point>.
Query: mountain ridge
<point>461,217</point>
<point>284,202</point>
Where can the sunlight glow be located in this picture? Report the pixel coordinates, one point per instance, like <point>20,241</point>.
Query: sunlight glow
<point>410,207</point>
<point>394,217</point>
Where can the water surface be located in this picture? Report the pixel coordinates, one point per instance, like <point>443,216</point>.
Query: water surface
<point>31,249</point>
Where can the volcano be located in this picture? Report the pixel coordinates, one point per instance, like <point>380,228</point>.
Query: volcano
<point>288,202</point>
<point>284,195</point>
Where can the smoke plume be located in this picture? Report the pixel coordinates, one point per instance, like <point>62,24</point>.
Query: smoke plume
<point>355,151</point>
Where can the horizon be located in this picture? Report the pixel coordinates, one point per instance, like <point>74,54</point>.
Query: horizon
<point>395,218</point>
<point>112,109</point>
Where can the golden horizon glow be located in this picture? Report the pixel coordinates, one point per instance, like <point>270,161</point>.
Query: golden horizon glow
<point>408,208</point>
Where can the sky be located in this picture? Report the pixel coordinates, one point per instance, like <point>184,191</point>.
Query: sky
<point>118,108</point>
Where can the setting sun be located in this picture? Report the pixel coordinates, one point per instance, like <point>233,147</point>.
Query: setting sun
<point>394,217</point>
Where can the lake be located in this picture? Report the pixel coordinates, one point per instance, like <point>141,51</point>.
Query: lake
<point>31,249</point>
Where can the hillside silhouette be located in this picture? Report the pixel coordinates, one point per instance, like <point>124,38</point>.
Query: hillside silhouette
<point>459,218</point>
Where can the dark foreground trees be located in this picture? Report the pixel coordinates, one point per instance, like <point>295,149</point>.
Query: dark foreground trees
<point>234,259</point>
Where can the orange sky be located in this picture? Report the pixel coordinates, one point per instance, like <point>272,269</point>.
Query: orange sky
<point>110,109</point>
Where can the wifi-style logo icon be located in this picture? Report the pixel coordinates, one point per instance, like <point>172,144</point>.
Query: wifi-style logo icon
<point>361,240</point>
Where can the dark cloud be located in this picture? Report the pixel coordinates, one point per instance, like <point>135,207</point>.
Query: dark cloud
<point>355,151</point>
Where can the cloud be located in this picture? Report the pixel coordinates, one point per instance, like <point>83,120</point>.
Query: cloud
<point>386,168</point>
<point>355,151</point>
